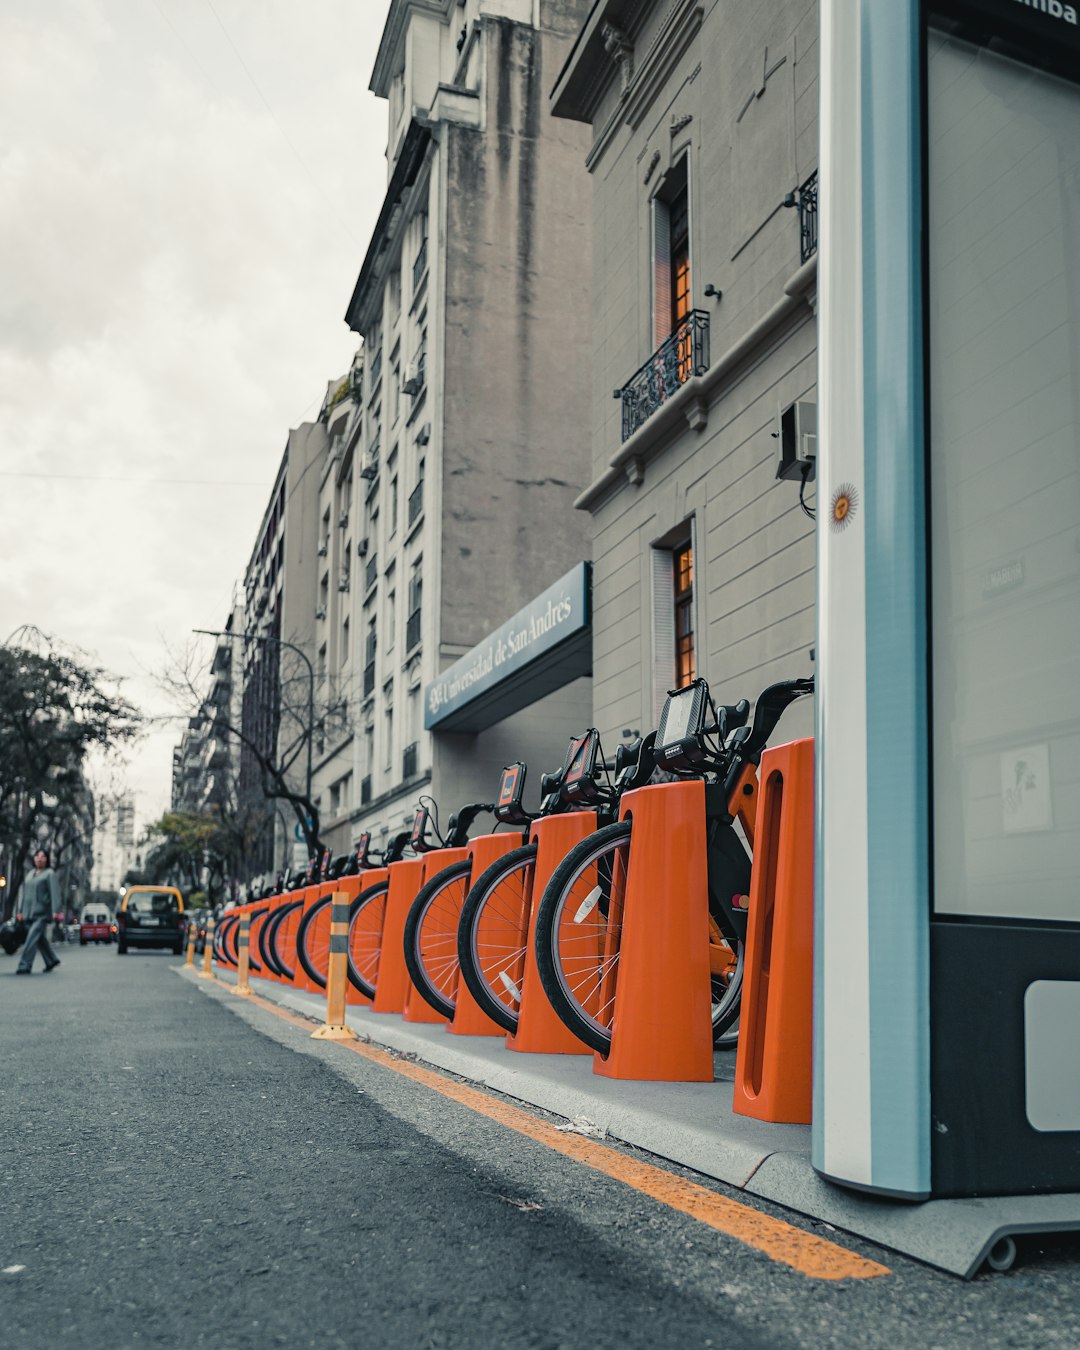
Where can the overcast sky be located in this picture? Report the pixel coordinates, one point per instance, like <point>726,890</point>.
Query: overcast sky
<point>187,190</point>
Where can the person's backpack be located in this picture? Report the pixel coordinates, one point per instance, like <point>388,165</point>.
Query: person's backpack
<point>13,935</point>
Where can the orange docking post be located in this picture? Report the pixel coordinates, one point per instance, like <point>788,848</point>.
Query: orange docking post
<point>300,979</point>
<point>661,1027</point>
<point>393,984</point>
<point>539,1029</point>
<point>774,1060</point>
<point>417,1008</point>
<point>365,932</point>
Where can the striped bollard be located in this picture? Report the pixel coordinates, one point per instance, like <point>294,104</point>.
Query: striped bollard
<point>337,976</point>
<point>189,959</point>
<point>243,951</point>
<point>208,951</point>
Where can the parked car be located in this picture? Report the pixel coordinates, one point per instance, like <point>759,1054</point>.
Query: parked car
<point>151,916</point>
<point>96,925</point>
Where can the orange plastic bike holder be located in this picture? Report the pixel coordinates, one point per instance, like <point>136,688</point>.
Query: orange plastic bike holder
<point>254,929</point>
<point>417,1008</point>
<point>287,934</point>
<point>392,985</point>
<point>469,1018</point>
<point>300,979</point>
<point>539,1030</point>
<point>272,906</point>
<point>774,1059</point>
<point>369,934</point>
<point>661,1025</point>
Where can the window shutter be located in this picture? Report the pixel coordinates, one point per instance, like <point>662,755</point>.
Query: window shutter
<point>661,272</point>
<point>663,627</point>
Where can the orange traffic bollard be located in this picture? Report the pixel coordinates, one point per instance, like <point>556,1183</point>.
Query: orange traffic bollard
<point>208,952</point>
<point>539,1029</point>
<point>393,983</point>
<point>243,949</point>
<point>661,1026</point>
<point>774,1060</point>
<point>417,1008</point>
<point>337,976</point>
<point>189,958</point>
<point>469,1018</point>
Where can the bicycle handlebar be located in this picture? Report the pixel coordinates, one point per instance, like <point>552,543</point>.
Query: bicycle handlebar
<point>770,708</point>
<point>457,834</point>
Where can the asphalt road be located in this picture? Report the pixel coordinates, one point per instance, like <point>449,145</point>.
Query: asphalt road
<point>183,1169</point>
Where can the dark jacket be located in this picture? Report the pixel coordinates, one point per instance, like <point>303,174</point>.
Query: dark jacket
<point>41,895</point>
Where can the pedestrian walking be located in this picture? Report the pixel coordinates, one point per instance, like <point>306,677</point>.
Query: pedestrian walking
<point>39,901</point>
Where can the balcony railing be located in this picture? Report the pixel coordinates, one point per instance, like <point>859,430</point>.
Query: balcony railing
<point>412,631</point>
<point>371,573</point>
<point>805,198</point>
<point>365,790</point>
<point>369,678</point>
<point>416,502</point>
<point>684,353</point>
<point>419,267</point>
<point>409,761</point>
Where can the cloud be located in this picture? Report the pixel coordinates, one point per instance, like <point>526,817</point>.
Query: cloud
<point>176,262</point>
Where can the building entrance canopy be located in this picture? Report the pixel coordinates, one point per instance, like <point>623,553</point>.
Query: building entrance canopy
<point>546,645</point>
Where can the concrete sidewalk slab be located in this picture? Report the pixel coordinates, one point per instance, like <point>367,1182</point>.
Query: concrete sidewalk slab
<point>693,1125</point>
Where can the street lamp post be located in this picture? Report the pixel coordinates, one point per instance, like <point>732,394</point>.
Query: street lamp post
<point>280,642</point>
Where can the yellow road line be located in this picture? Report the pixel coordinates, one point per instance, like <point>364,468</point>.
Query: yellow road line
<point>813,1256</point>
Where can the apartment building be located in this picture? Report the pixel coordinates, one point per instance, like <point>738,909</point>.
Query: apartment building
<point>473,305</point>
<point>703,120</point>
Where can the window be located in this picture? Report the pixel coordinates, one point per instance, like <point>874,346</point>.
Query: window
<point>369,659</point>
<point>320,669</point>
<point>345,641</point>
<point>416,592</point>
<point>389,626</point>
<point>395,390</point>
<point>392,529</point>
<point>671,266</point>
<point>388,728</point>
<point>683,572</point>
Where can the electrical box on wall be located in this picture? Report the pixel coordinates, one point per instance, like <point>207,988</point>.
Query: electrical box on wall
<point>796,433</point>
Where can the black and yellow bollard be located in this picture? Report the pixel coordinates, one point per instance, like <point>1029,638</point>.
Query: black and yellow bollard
<point>337,976</point>
<point>243,952</point>
<point>208,951</point>
<point>189,959</point>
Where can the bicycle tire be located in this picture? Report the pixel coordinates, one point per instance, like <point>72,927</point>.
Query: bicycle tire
<point>366,915</point>
<point>218,947</point>
<point>266,950</point>
<point>492,935</point>
<point>229,943</point>
<point>431,929</point>
<point>305,943</point>
<point>254,965</point>
<point>578,928</point>
<point>285,913</point>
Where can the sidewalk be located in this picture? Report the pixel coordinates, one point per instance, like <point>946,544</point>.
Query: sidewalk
<point>693,1125</point>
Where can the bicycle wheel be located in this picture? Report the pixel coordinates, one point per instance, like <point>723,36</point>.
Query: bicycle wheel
<point>279,938</point>
<point>257,917</point>
<point>366,915</point>
<point>431,928</point>
<point>219,946</point>
<point>578,931</point>
<point>313,942</point>
<point>492,935</point>
<point>267,955</point>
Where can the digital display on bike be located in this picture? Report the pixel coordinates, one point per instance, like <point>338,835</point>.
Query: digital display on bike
<point>582,758</point>
<point>363,844</point>
<point>681,718</point>
<point>417,841</point>
<point>508,785</point>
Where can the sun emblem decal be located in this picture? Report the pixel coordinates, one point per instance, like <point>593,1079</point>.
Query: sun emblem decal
<point>845,502</point>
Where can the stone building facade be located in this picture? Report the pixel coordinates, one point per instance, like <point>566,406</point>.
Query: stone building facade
<point>704,140</point>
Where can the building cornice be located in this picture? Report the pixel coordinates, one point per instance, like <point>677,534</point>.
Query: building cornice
<point>388,227</point>
<point>688,408</point>
<point>390,58</point>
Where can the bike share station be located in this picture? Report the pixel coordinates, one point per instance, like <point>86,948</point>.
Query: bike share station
<point>914,897</point>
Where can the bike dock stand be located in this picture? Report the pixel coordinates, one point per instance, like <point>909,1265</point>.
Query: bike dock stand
<point>372,876</point>
<point>417,1008</point>
<point>272,906</point>
<point>469,1018</point>
<point>539,1028</point>
<point>287,934</point>
<point>775,1056</point>
<point>300,980</point>
<point>661,1027</point>
<point>392,983</point>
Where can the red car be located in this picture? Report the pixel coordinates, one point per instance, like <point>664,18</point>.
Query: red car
<point>96,926</point>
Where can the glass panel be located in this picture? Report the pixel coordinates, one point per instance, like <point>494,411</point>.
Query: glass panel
<point>1004,497</point>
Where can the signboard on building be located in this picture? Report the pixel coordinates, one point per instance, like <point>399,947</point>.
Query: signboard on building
<point>544,646</point>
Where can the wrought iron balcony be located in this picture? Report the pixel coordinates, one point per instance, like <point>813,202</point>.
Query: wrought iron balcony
<point>416,502</point>
<point>412,631</point>
<point>365,790</point>
<point>805,198</point>
<point>684,353</point>
<point>419,267</point>
<point>409,761</point>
